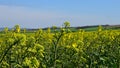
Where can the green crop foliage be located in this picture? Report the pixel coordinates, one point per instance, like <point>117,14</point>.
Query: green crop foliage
<point>60,49</point>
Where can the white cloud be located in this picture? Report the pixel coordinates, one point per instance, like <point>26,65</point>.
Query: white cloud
<point>24,15</point>
<point>29,17</point>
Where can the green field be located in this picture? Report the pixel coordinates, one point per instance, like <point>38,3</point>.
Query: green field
<point>60,48</point>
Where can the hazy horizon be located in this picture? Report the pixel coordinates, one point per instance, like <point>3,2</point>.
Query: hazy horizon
<point>46,13</point>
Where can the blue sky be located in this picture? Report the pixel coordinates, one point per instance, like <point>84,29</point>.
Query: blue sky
<point>46,13</point>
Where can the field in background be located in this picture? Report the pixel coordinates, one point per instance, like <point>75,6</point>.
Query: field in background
<point>73,29</point>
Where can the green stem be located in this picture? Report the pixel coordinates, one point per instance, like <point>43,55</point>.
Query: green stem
<point>7,51</point>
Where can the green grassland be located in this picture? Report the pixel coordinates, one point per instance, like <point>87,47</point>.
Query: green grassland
<point>73,29</point>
